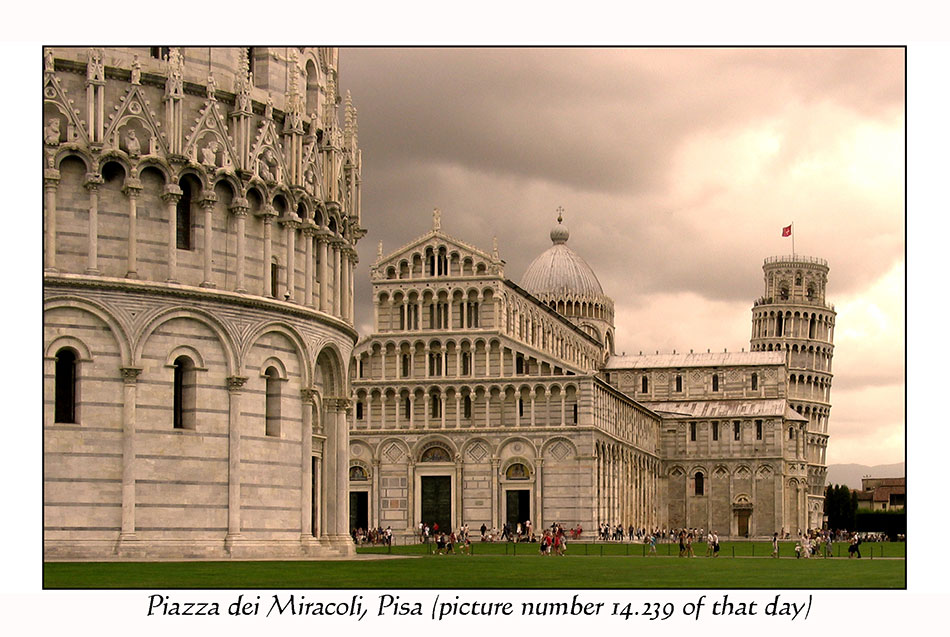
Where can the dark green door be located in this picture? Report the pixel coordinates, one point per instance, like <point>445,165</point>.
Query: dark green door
<point>359,510</point>
<point>437,502</point>
<point>517,508</point>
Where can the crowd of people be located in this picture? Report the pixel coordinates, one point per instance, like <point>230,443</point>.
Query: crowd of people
<point>375,536</point>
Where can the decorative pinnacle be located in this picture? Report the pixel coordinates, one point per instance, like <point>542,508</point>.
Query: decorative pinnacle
<point>436,219</point>
<point>559,211</point>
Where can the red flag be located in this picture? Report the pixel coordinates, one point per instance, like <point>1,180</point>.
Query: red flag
<point>787,231</point>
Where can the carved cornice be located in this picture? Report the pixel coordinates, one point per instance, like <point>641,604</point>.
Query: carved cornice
<point>178,291</point>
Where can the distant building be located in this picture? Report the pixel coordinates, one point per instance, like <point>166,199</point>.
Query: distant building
<point>481,401</point>
<point>882,494</point>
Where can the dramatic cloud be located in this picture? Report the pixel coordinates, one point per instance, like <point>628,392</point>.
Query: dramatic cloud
<point>677,169</point>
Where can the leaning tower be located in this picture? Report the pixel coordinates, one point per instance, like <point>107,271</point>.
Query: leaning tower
<point>794,317</point>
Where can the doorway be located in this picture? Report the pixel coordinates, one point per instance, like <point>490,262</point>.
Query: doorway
<point>742,516</point>
<point>437,501</point>
<point>517,507</point>
<point>359,510</point>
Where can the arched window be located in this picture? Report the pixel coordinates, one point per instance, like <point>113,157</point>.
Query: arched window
<point>358,473</point>
<point>407,408</point>
<point>700,487</point>
<point>467,406</point>
<point>519,364</point>
<point>405,365</point>
<point>644,384</point>
<point>758,430</point>
<point>184,403</point>
<point>575,413</point>
<point>679,383</point>
<point>736,430</point>
<point>692,432</point>
<point>272,398</point>
<point>436,406</point>
<point>274,278</point>
<point>359,410</point>
<point>520,407</point>
<point>466,363</point>
<point>791,433</point>
<point>517,471</point>
<point>715,430</point>
<point>66,381</point>
<point>755,381</point>
<point>715,382</point>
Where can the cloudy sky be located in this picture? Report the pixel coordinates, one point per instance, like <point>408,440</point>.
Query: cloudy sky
<point>677,169</point>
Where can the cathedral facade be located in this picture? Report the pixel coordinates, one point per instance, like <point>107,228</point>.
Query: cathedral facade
<point>201,220</point>
<point>481,401</point>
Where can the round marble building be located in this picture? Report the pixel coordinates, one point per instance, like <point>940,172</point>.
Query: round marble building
<point>201,220</point>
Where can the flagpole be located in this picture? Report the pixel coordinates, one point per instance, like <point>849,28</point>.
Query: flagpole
<point>793,239</point>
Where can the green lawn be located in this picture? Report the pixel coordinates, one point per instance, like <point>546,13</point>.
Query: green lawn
<point>488,571</point>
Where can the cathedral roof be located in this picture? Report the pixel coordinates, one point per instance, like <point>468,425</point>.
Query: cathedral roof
<point>559,272</point>
<point>706,359</point>
<point>726,408</point>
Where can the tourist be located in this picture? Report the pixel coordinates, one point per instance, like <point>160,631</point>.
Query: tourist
<point>715,545</point>
<point>775,545</point>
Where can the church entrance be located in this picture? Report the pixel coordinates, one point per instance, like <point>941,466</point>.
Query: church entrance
<point>742,517</point>
<point>437,501</point>
<point>518,507</point>
<point>359,510</point>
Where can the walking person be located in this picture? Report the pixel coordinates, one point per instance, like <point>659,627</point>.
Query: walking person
<point>775,545</point>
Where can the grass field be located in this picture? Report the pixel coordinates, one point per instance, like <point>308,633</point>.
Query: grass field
<point>484,570</point>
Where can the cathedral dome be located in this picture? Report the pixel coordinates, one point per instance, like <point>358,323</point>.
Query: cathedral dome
<point>559,272</point>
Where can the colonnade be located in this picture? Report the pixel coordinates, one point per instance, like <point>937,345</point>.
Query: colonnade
<point>626,486</point>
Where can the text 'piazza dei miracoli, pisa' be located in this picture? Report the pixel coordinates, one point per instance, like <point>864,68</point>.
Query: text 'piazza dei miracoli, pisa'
<point>206,392</point>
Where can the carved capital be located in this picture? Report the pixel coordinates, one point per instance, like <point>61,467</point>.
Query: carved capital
<point>267,214</point>
<point>171,193</point>
<point>130,374</point>
<point>93,181</point>
<point>239,207</point>
<point>132,188</point>
<point>51,178</point>
<point>308,395</point>
<point>236,383</point>
<point>208,199</point>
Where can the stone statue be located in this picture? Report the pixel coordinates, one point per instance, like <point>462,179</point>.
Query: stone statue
<point>136,70</point>
<point>212,86</point>
<point>267,166</point>
<point>152,145</point>
<point>51,132</point>
<point>209,154</point>
<point>132,144</point>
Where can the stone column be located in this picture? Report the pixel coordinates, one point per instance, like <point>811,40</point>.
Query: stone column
<point>331,485</point>
<point>344,282</point>
<point>337,279</point>
<point>411,520</point>
<point>290,225</point>
<point>171,196</point>
<point>539,494</point>
<point>308,230</point>
<point>457,493</point>
<point>50,186</point>
<point>306,453</point>
<point>133,187</point>
<point>235,387</point>
<point>92,183</point>
<point>239,208</point>
<point>374,509</point>
<point>342,471</point>
<point>324,282</point>
<point>267,216</point>
<point>207,206</point>
<point>129,376</point>
<point>495,462</point>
